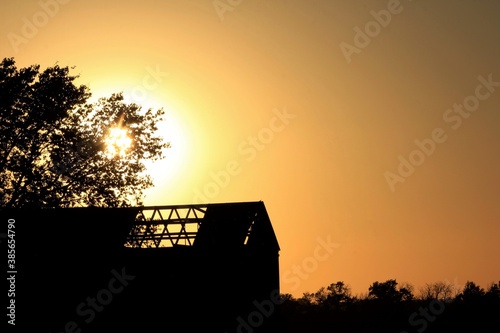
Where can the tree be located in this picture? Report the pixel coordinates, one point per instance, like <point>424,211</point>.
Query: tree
<point>492,295</point>
<point>320,296</point>
<point>438,290</point>
<point>307,298</point>
<point>287,297</point>
<point>338,294</point>
<point>494,290</point>
<point>56,149</point>
<point>471,292</point>
<point>406,291</point>
<point>388,292</point>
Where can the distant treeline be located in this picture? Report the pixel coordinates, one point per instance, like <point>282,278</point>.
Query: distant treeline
<point>392,307</point>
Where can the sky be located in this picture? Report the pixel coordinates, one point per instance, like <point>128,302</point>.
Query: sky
<point>369,129</point>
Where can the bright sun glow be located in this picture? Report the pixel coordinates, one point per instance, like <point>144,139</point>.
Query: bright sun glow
<point>117,142</point>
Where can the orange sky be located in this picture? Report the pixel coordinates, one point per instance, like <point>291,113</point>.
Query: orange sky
<point>311,107</point>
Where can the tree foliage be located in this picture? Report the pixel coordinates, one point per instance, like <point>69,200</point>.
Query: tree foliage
<point>440,290</point>
<point>392,307</point>
<point>53,151</point>
<point>386,291</point>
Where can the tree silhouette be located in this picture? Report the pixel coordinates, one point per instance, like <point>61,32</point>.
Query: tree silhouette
<point>494,290</point>
<point>438,290</point>
<point>338,294</point>
<point>471,292</point>
<point>390,307</point>
<point>385,291</point>
<point>53,151</point>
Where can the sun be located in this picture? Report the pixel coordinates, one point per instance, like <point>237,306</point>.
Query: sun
<point>117,142</point>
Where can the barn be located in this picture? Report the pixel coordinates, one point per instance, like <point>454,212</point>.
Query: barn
<point>178,268</point>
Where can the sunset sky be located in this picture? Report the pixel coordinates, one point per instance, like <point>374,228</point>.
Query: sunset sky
<point>371,126</point>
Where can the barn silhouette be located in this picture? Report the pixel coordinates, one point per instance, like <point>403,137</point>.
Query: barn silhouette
<point>182,268</point>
